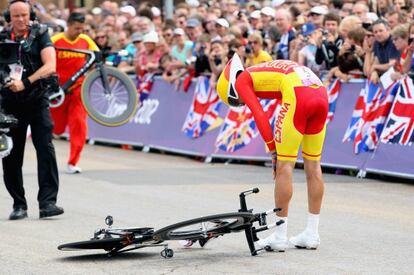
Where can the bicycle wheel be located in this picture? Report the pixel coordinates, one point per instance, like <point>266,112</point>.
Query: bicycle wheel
<point>109,109</point>
<point>204,227</point>
<point>106,244</point>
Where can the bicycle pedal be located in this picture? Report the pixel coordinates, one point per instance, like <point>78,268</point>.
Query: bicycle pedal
<point>186,243</point>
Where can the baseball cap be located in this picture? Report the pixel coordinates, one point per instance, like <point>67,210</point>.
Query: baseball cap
<point>151,37</point>
<point>268,11</point>
<point>307,29</point>
<point>193,22</point>
<point>128,9</point>
<point>155,11</point>
<point>137,37</point>
<point>96,11</point>
<point>222,22</point>
<point>321,10</point>
<point>255,14</point>
<point>179,31</point>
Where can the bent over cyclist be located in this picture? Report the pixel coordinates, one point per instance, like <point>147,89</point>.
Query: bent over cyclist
<point>302,116</point>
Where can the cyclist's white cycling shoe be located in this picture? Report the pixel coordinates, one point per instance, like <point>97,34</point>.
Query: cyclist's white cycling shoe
<point>273,242</point>
<point>306,240</point>
<point>71,169</point>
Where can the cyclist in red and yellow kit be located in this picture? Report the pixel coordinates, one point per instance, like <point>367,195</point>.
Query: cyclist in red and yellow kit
<point>301,120</point>
<point>72,112</point>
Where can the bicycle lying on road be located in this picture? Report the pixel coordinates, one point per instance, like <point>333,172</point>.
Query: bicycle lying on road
<point>109,95</point>
<point>201,230</point>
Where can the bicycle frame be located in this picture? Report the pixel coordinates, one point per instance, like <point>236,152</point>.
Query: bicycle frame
<point>92,58</point>
<point>249,229</point>
<point>119,240</point>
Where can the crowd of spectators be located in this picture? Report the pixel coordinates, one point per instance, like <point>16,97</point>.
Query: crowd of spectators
<point>335,38</point>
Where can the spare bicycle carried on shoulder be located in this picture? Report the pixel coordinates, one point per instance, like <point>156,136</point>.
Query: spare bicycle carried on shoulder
<point>203,229</point>
<point>109,95</point>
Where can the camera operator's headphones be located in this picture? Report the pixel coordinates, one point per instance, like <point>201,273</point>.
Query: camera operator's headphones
<point>6,13</point>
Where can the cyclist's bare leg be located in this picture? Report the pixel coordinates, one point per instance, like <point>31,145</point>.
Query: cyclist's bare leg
<point>283,186</point>
<point>283,193</point>
<point>315,185</point>
<point>309,238</point>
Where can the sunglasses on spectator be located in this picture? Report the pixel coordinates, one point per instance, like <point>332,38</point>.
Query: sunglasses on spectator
<point>314,14</point>
<point>254,42</point>
<point>167,34</point>
<point>100,36</point>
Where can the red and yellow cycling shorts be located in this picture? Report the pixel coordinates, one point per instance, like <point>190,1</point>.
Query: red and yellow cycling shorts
<point>303,112</point>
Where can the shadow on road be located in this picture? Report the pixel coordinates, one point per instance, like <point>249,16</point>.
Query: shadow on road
<point>104,258</point>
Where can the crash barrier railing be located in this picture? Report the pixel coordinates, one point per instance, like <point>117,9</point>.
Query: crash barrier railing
<point>159,120</point>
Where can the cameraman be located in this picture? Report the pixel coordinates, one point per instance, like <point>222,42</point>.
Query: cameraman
<point>330,42</point>
<point>217,59</point>
<point>351,56</point>
<point>24,97</point>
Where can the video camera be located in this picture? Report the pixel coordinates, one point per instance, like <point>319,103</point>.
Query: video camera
<point>8,55</point>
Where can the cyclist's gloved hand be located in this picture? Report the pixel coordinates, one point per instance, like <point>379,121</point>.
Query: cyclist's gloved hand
<point>274,161</point>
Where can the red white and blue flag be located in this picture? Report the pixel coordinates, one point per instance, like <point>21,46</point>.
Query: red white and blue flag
<point>239,127</point>
<point>204,110</point>
<point>399,127</point>
<point>145,86</point>
<point>370,112</point>
<point>333,92</point>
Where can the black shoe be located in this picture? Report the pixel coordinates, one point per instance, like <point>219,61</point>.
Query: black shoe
<point>50,211</point>
<point>18,214</point>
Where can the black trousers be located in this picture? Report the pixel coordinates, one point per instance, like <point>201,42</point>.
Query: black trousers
<point>37,115</point>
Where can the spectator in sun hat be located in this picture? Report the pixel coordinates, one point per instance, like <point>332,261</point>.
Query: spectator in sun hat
<point>267,16</point>
<point>147,61</point>
<point>316,15</point>
<point>255,21</point>
<point>156,17</point>
<point>222,27</point>
<point>182,47</point>
<point>128,11</point>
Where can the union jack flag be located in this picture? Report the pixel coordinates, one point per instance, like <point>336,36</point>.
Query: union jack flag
<point>204,111</point>
<point>145,85</point>
<point>239,127</point>
<point>368,119</point>
<point>399,127</point>
<point>333,92</point>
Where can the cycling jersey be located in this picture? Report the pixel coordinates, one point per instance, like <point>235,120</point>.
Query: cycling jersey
<point>68,63</point>
<point>304,107</point>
